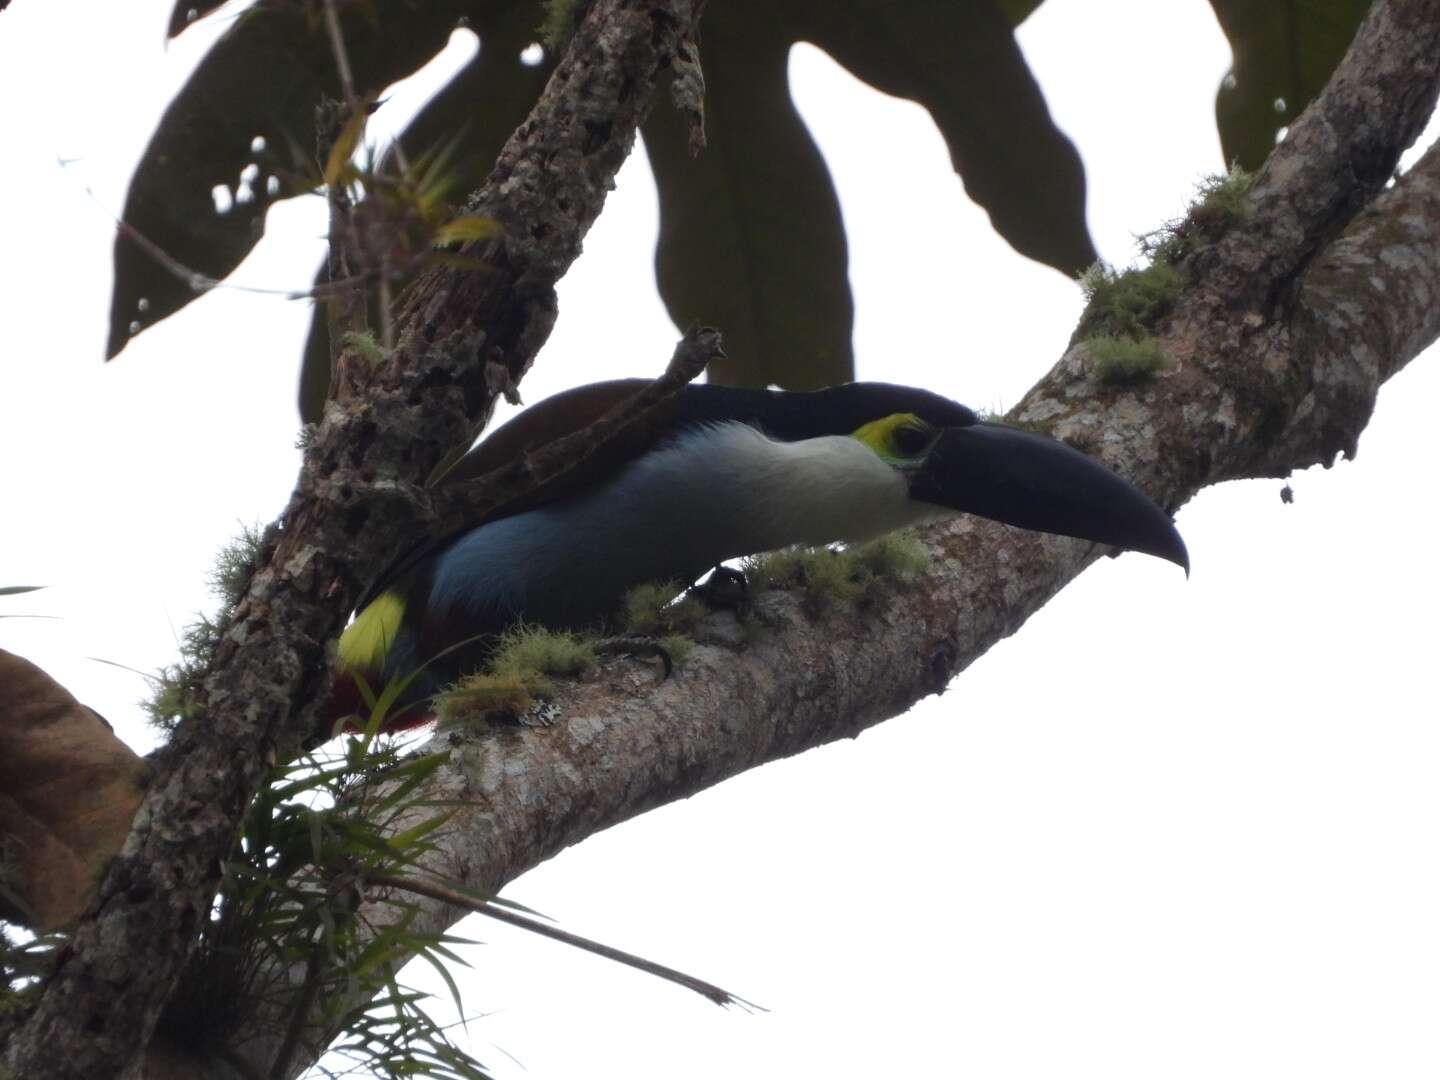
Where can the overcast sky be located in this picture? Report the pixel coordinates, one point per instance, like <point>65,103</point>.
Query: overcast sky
<point>1171,828</point>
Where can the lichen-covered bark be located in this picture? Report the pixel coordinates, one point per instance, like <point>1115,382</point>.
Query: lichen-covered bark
<point>462,339</point>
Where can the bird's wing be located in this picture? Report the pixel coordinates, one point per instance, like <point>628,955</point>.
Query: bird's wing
<point>555,417</point>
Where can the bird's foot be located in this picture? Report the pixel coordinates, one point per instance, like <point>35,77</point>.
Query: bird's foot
<point>725,589</point>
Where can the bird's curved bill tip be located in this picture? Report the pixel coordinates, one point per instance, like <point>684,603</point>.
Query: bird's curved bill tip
<point>1036,482</point>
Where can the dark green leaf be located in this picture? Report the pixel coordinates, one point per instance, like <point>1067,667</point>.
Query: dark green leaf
<point>961,62</point>
<point>1284,52</point>
<point>751,239</point>
<point>751,234</point>
<point>12,590</point>
<point>1016,11</point>
<point>443,969</point>
<point>261,81</point>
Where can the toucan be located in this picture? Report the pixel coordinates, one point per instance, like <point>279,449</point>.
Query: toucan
<point>715,473</point>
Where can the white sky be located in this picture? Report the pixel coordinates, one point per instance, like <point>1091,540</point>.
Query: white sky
<point>1172,828</point>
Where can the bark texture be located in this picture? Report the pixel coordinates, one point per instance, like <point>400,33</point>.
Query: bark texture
<point>1290,322</point>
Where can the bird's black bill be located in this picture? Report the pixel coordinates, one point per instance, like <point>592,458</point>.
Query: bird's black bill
<point>1038,483</point>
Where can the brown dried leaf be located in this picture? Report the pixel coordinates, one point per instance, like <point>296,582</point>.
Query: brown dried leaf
<point>69,790</point>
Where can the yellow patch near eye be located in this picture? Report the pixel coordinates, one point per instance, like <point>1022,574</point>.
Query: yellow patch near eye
<point>879,435</point>
<point>365,641</point>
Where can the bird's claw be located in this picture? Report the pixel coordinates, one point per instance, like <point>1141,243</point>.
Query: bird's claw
<point>725,589</point>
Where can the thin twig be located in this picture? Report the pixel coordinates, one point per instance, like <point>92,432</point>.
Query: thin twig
<point>482,907</point>
<point>342,59</point>
<point>201,282</point>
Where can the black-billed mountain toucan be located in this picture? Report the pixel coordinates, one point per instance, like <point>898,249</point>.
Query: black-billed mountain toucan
<point>715,474</point>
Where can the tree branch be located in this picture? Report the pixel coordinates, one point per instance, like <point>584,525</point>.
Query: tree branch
<point>387,428</point>
<point>1367,307</point>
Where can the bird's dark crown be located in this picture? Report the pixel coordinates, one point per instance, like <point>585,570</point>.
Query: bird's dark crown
<point>836,410</point>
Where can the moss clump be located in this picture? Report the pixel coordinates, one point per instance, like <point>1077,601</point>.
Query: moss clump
<point>235,564</point>
<point>831,577</point>
<point>789,569</point>
<point>561,18</point>
<point>1122,309</point>
<point>657,609</point>
<point>1123,306</point>
<point>485,695</point>
<point>1221,201</point>
<point>1127,303</point>
<point>175,692</point>
<point>532,649</point>
<point>1123,361</point>
<point>897,556</point>
<point>520,671</point>
<point>364,343</point>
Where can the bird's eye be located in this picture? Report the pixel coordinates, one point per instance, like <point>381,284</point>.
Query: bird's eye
<point>909,440</point>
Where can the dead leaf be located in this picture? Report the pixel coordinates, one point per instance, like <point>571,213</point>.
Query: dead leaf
<point>69,790</point>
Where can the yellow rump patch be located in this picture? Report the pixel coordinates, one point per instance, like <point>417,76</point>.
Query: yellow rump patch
<point>365,641</point>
